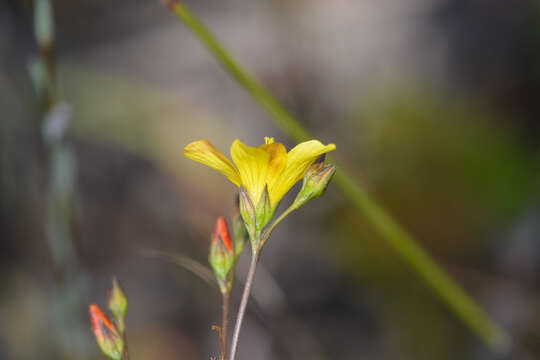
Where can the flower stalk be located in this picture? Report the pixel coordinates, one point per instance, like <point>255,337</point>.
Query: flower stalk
<point>255,256</point>
<point>225,310</point>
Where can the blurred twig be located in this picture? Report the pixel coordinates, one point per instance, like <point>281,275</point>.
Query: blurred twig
<point>187,263</point>
<point>60,194</point>
<point>450,292</point>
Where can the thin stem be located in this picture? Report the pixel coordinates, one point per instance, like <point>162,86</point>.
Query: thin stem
<point>51,93</point>
<point>405,245</point>
<point>243,303</point>
<point>225,306</point>
<point>125,353</point>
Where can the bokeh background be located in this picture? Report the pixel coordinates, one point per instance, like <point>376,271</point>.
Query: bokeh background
<point>433,105</point>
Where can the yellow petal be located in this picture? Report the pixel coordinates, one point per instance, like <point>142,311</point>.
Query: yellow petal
<point>252,164</point>
<point>299,159</point>
<point>276,165</point>
<point>204,152</point>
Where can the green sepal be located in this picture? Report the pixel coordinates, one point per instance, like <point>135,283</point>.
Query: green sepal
<point>247,211</point>
<point>240,234</point>
<point>264,211</point>
<point>118,305</point>
<point>222,263</point>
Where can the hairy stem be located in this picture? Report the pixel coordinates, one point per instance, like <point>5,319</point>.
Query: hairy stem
<point>243,303</point>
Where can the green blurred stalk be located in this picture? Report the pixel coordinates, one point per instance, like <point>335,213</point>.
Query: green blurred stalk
<point>450,292</point>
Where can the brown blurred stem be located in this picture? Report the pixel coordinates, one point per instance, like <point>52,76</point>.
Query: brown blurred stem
<point>243,303</point>
<point>125,353</point>
<point>225,307</point>
<point>51,95</point>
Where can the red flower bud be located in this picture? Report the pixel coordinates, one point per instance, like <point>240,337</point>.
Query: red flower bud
<point>221,234</point>
<point>106,334</point>
<point>222,255</point>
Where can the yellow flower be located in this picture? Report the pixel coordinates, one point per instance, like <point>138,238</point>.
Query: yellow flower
<point>256,167</point>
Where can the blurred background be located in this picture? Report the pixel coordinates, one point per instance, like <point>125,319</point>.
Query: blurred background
<point>433,105</point>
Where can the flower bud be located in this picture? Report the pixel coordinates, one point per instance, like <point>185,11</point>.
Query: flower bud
<point>108,338</point>
<point>222,256</point>
<point>118,305</point>
<point>315,182</point>
<point>221,234</point>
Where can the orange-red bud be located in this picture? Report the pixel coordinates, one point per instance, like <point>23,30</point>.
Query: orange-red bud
<point>107,336</point>
<point>222,255</point>
<point>100,323</point>
<point>221,233</point>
